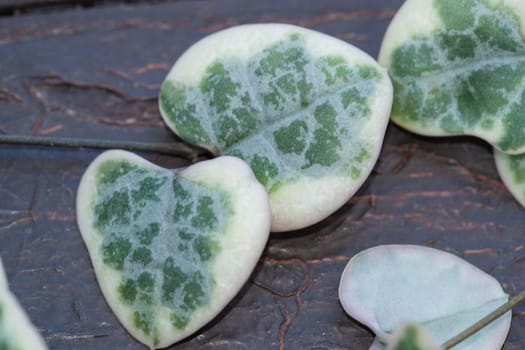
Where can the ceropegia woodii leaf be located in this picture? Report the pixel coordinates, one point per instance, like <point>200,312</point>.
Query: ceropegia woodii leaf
<point>387,286</point>
<point>16,330</point>
<point>307,111</point>
<point>511,169</point>
<point>411,337</point>
<point>458,67</point>
<point>169,249</point>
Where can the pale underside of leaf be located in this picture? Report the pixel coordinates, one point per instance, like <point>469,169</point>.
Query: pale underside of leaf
<point>511,169</point>
<point>442,329</point>
<point>458,68</point>
<point>170,250</point>
<point>16,330</point>
<point>306,111</point>
<point>387,286</point>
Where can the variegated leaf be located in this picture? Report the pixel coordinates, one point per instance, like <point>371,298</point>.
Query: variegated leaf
<point>308,112</point>
<point>458,68</point>
<point>170,249</point>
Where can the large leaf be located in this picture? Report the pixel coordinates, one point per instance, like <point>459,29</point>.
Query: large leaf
<point>511,169</point>
<point>16,330</point>
<point>458,67</point>
<point>387,286</point>
<point>170,250</point>
<point>307,112</point>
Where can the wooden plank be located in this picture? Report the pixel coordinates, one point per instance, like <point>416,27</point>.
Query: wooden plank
<point>17,7</point>
<point>28,3</point>
<point>96,73</point>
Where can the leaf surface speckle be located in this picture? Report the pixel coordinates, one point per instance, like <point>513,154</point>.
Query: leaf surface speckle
<point>463,72</point>
<point>301,107</point>
<point>156,239</point>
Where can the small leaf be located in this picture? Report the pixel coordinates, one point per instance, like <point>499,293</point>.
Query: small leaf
<point>16,330</point>
<point>387,286</point>
<point>412,337</point>
<point>170,250</point>
<point>307,112</point>
<point>458,68</point>
<point>511,169</point>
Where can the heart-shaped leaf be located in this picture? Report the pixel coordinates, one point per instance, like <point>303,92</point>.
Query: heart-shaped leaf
<point>387,286</point>
<point>16,330</point>
<point>170,250</point>
<point>308,112</point>
<point>511,169</point>
<point>458,67</point>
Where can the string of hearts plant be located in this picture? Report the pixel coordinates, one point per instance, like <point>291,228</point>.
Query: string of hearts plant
<point>307,112</point>
<point>297,119</point>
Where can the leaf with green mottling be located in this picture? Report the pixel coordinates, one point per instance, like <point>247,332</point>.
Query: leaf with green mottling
<point>170,250</point>
<point>511,169</point>
<point>16,330</point>
<point>458,68</point>
<point>388,286</point>
<point>307,112</point>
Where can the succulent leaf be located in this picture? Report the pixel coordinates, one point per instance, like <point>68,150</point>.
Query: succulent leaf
<point>307,112</point>
<point>170,250</point>
<point>458,68</point>
<point>385,287</point>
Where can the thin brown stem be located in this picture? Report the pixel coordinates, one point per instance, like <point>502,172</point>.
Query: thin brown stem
<point>180,149</point>
<point>485,321</point>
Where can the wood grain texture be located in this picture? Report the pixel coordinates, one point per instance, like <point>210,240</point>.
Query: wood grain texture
<point>22,7</point>
<point>96,73</point>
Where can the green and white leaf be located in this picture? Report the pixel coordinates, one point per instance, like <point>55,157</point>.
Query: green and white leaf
<point>458,68</point>
<point>307,111</point>
<point>412,337</point>
<point>511,169</point>
<point>388,286</point>
<point>16,330</point>
<point>170,249</point>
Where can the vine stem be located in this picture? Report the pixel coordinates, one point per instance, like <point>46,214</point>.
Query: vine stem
<point>485,321</point>
<point>172,148</point>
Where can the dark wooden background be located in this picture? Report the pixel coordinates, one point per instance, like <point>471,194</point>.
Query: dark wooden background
<point>93,69</point>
